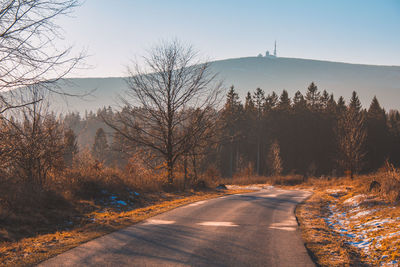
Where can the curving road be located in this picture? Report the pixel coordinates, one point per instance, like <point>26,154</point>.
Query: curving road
<point>252,229</point>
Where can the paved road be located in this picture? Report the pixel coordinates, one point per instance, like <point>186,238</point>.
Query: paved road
<point>252,229</point>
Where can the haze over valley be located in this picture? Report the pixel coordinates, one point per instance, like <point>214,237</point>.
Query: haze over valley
<point>269,74</point>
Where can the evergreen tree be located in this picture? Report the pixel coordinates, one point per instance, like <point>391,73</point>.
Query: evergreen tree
<point>324,99</point>
<point>355,102</point>
<point>378,136</point>
<point>249,103</point>
<point>119,149</point>
<point>341,105</point>
<point>249,144</point>
<point>100,145</point>
<point>70,147</point>
<point>351,136</point>
<point>284,101</point>
<point>313,96</point>
<point>271,101</point>
<point>232,124</point>
<point>394,130</point>
<point>259,99</point>
<point>299,101</point>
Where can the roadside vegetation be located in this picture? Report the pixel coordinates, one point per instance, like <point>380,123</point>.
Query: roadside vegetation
<point>68,178</point>
<point>353,221</point>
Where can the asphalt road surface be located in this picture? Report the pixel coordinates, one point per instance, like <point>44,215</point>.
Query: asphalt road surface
<point>251,229</point>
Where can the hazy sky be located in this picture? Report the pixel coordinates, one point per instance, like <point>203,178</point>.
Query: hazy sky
<point>115,31</point>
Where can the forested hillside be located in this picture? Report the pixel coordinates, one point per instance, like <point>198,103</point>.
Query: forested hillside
<point>249,73</point>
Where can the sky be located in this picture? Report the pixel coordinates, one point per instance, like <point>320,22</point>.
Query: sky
<point>116,32</point>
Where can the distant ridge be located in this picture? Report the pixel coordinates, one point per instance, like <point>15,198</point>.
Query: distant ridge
<point>248,73</point>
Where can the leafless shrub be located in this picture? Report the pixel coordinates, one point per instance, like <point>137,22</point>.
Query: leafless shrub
<point>390,182</point>
<point>274,159</point>
<point>33,141</point>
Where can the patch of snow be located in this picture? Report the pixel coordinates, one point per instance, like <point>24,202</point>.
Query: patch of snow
<point>336,192</point>
<point>377,222</point>
<point>269,187</point>
<point>355,201</point>
<point>363,244</point>
<point>121,202</point>
<point>363,213</point>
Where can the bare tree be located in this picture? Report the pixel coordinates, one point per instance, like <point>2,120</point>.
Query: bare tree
<point>162,99</point>
<point>34,138</point>
<point>201,130</point>
<point>351,135</point>
<point>274,159</point>
<point>29,51</point>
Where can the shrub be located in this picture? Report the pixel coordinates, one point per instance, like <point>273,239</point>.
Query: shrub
<point>390,182</point>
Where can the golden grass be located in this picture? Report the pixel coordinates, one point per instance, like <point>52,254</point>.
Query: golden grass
<point>32,250</point>
<point>327,246</point>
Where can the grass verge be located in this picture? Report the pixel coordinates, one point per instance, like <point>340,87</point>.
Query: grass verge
<point>326,247</point>
<point>344,223</point>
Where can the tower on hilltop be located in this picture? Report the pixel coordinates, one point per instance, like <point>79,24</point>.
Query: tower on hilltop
<point>268,55</point>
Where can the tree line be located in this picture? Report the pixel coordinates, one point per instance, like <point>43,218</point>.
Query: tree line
<point>316,134</point>
<point>310,134</point>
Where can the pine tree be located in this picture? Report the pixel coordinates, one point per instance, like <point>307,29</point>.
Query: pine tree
<point>284,101</point>
<point>249,103</point>
<point>70,147</point>
<point>100,145</point>
<point>351,136</point>
<point>249,134</point>
<point>331,106</point>
<point>341,105</point>
<point>119,149</point>
<point>299,101</point>
<point>324,99</point>
<point>232,114</point>
<point>378,136</point>
<point>313,96</point>
<point>355,102</point>
<point>259,97</point>
<point>271,101</point>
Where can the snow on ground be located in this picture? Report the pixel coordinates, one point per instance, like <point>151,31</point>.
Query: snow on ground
<point>362,227</point>
<point>355,201</point>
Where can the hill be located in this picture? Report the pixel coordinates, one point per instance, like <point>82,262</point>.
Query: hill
<point>248,73</point>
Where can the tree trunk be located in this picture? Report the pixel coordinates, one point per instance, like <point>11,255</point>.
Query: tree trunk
<point>170,168</point>
<point>185,170</point>
<point>231,161</point>
<point>194,166</point>
<point>258,157</point>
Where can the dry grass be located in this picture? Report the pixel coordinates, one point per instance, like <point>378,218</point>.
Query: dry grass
<point>80,203</point>
<point>329,245</point>
<point>326,247</point>
<point>254,179</point>
<point>32,250</point>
